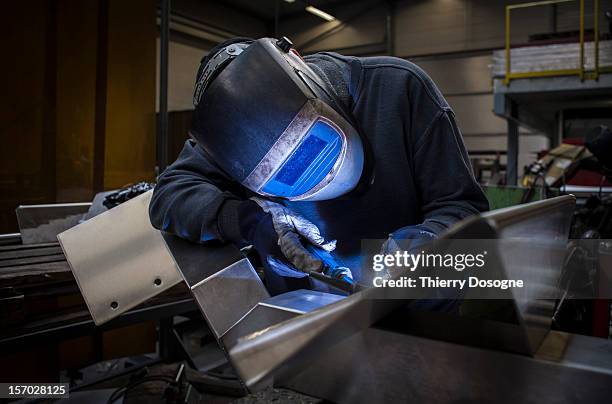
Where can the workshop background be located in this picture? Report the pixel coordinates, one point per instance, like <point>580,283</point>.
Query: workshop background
<point>81,77</point>
<point>96,96</point>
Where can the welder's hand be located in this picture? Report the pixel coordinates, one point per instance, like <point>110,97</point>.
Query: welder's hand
<point>292,231</point>
<point>410,239</point>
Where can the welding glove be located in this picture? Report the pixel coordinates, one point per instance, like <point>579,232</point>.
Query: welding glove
<point>412,239</point>
<point>409,238</point>
<point>292,231</point>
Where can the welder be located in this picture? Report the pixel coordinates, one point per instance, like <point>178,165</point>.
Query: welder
<point>305,157</point>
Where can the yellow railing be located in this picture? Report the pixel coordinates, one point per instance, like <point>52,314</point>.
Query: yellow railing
<point>580,71</point>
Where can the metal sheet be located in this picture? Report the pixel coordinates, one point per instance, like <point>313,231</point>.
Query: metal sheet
<point>228,295</point>
<point>42,223</point>
<point>385,366</point>
<point>224,283</point>
<point>287,346</point>
<point>257,319</point>
<point>277,309</point>
<point>302,301</point>
<point>533,240</point>
<point>197,262</point>
<point>118,259</point>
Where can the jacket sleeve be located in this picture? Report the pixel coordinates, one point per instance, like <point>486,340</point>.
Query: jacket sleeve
<point>444,178</point>
<point>195,200</point>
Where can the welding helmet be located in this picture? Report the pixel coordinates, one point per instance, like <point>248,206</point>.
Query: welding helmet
<point>269,122</point>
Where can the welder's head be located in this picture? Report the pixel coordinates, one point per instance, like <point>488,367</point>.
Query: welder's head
<point>272,124</point>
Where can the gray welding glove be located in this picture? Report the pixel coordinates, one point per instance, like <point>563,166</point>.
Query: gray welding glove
<point>292,230</point>
<point>410,239</point>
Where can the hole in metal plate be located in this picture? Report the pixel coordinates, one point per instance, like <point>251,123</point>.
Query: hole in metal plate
<point>157,282</point>
<point>114,305</point>
<point>139,255</point>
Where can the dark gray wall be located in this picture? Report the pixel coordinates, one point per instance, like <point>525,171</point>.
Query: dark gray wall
<point>424,27</point>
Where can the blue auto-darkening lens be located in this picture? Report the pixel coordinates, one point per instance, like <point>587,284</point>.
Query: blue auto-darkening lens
<point>309,163</point>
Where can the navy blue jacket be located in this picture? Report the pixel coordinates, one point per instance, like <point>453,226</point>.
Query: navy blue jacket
<point>422,171</point>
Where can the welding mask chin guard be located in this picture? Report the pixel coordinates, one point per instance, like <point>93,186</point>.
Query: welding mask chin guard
<point>269,122</point>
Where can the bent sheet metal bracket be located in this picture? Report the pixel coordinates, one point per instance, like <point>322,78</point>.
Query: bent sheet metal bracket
<point>286,347</point>
<point>118,259</point>
<point>232,297</point>
<point>225,288</point>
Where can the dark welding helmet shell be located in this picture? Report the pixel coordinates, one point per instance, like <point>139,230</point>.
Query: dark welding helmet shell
<point>270,123</point>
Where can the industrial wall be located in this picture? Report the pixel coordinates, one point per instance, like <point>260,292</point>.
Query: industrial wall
<point>195,27</point>
<point>425,27</point>
<point>452,40</point>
